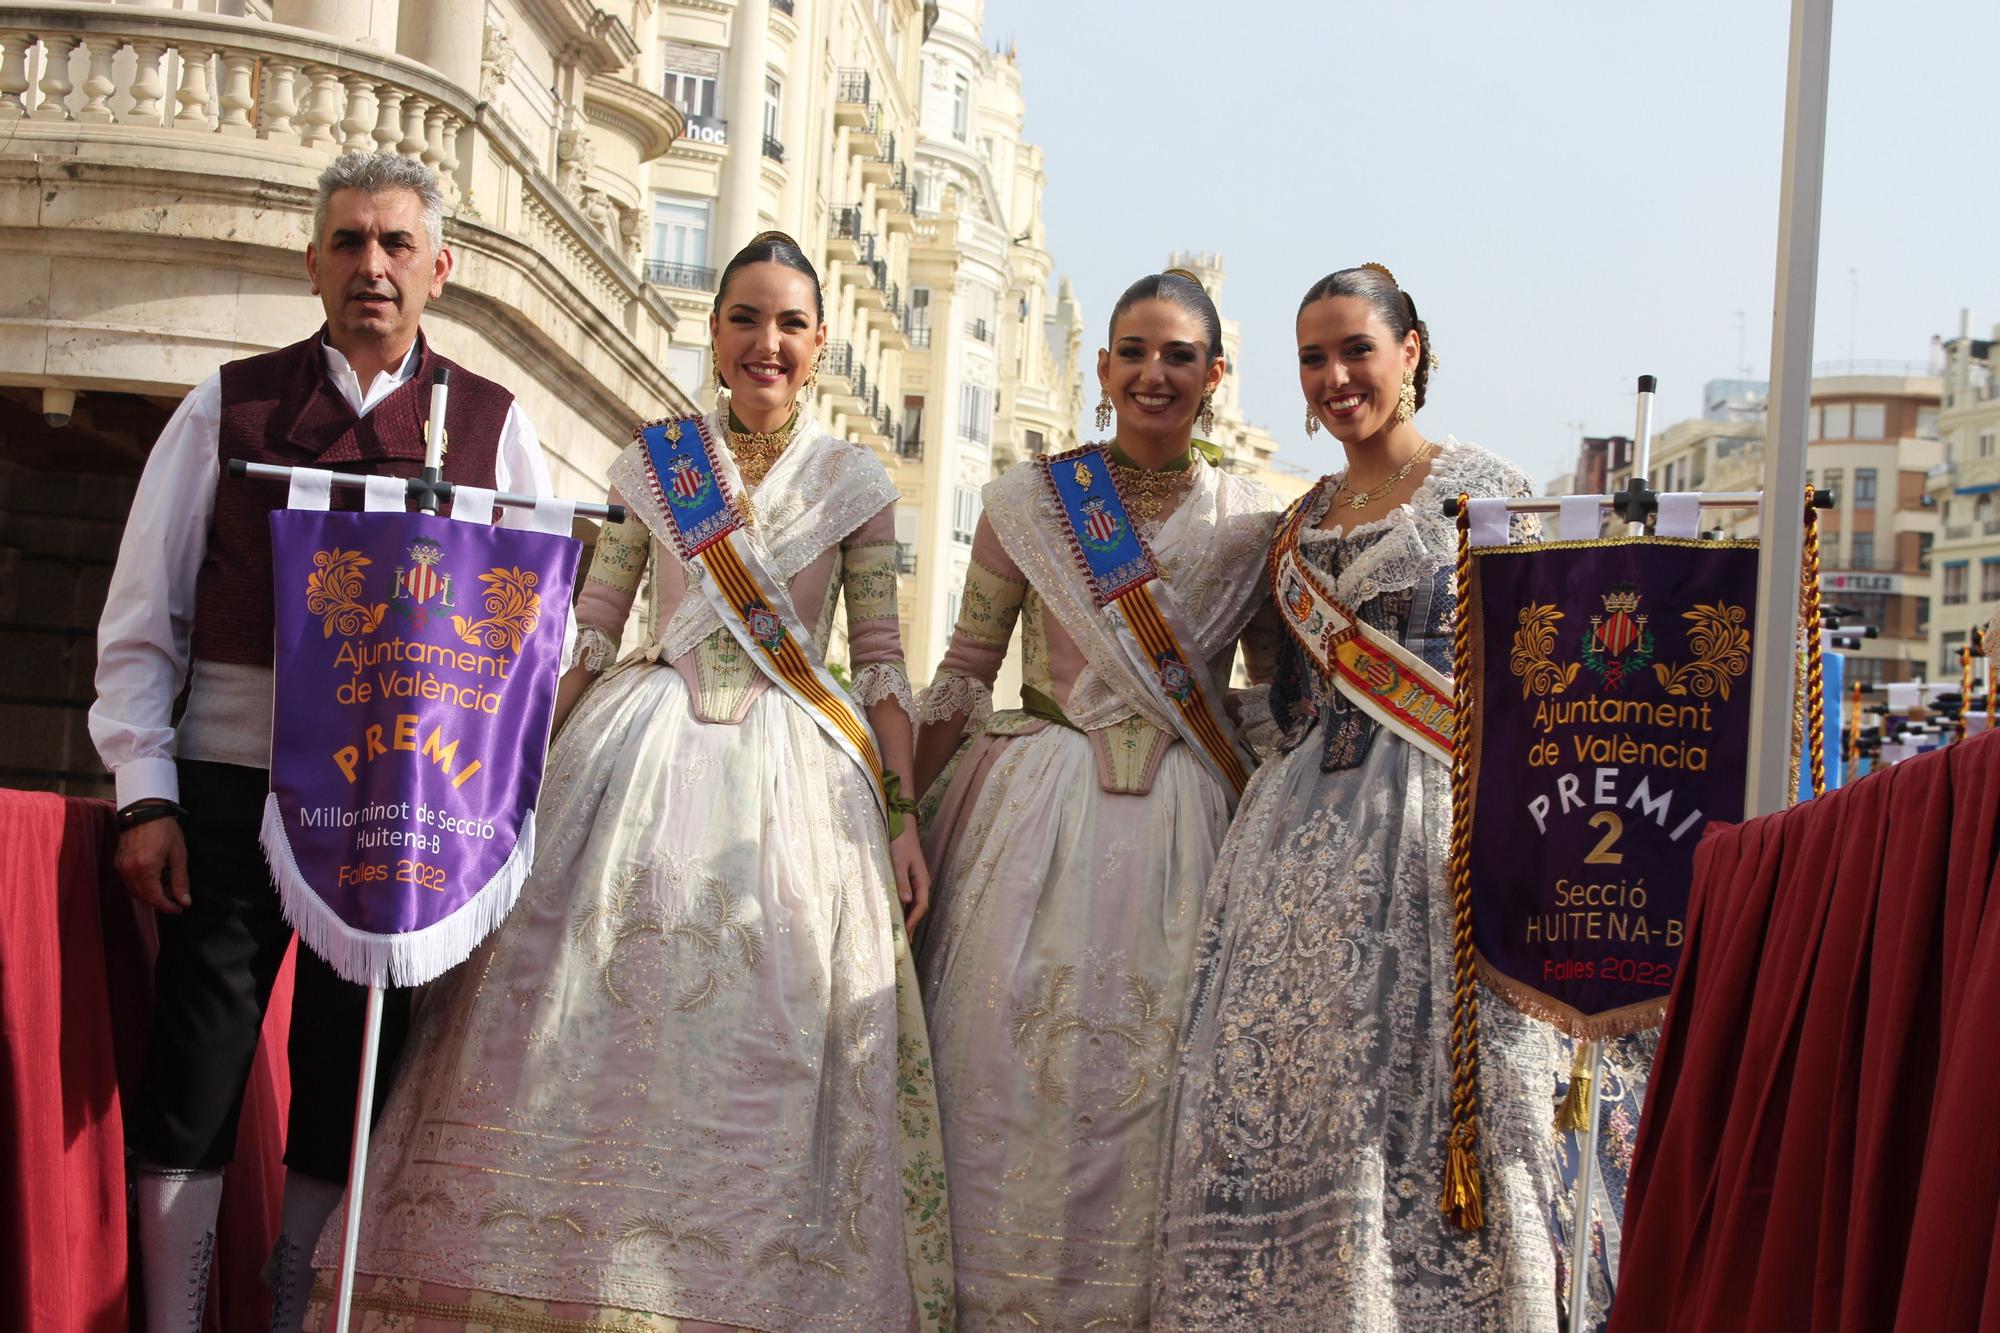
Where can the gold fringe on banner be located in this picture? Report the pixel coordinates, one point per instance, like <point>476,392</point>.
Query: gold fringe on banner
<point>1574,1113</point>
<point>1463,1201</point>
<point>1809,633</point>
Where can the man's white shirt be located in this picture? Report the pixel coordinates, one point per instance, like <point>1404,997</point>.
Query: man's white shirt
<point>142,641</point>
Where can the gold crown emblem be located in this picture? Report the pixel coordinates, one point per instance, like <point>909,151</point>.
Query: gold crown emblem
<point>1625,598</point>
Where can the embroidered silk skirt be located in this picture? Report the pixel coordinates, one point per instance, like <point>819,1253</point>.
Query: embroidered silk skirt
<point>1312,1100</point>
<point>688,1077</point>
<point>1054,972</point>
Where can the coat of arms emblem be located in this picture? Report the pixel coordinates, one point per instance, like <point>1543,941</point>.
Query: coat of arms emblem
<point>1175,679</point>
<point>419,581</point>
<point>1618,642</point>
<point>1101,528</point>
<point>686,483</point>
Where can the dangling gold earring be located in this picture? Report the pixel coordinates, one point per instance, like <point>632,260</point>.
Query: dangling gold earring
<point>1204,416</point>
<point>1406,401</point>
<point>1312,422</point>
<point>721,389</point>
<point>811,386</point>
<point>1104,409</point>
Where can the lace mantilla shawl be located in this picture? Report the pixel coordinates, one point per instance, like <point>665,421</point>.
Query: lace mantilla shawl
<point>1408,544</point>
<point>1211,550</point>
<point>821,489</point>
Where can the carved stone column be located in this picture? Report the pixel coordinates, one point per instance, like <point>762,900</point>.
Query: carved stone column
<point>743,98</point>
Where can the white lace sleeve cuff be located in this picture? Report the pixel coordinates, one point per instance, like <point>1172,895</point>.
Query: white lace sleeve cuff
<point>594,648</point>
<point>883,680</point>
<point>951,694</point>
<point>1259,727</point>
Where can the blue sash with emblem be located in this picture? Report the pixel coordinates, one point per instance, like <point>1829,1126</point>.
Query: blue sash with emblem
<point>1126,583</point>
<point>710,533</point>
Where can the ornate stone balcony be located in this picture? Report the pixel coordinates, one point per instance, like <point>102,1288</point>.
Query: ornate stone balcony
<point>156,191</point>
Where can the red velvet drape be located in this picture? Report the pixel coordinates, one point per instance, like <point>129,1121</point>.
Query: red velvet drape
<point>1821,1141</point>
<point>75,997</point>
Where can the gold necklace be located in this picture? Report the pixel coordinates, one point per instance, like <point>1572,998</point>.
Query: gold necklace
<point>1376,492</point>
<point>1147,492</point>
<point>757,451</point>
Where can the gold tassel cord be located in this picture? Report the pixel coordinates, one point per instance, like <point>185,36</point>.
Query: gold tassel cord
<point>1574,1113</point>
<point>1965,659</point>
<point>1809,632</point>
<point>1462,1199</point>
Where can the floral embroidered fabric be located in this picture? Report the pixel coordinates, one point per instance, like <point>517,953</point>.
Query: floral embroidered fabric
<point>1311,1100</point>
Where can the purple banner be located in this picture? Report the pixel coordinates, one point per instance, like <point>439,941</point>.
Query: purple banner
<point>1612,723</point>
<point>417,660</point>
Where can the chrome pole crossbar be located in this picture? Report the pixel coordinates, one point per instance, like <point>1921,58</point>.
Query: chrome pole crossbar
<point>610,513</point>
<point>1549,504</point>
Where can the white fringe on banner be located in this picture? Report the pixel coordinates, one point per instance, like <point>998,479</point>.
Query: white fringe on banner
<point>407,959</point>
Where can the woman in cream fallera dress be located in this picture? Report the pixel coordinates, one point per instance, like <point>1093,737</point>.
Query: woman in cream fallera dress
<point>688,1079</point>
<point>1073,836</point>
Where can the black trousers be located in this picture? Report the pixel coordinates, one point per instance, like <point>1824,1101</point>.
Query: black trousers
<point>218,959</point>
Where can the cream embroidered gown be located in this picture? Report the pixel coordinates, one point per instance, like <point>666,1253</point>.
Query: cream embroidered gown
<point>1313,1093</point>
<point>1069,853</point>
<point>688,1077</point>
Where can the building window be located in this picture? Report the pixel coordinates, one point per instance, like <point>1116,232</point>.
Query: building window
<point>1864,488</point>
<point>678,256</point>
<point>964,515</point>
<point>913,420</point>
<point>1924,540</point>
<point>684,368</point>
<point>975,413</point>
<point>920,317</point>
<point>1986,438</point>
<point>1870,421</point>
<point>1989,579</point>
<point>1863,550</point>
<point>1954,583</point>
<point>961,108</point>
<point>1837,423</point>
<point>1834,477</point>
<point>772,93</point>
<point>1927,423</point>
<point>691,76</point>
<point>952,600</point>
<point>1037,444</point>
<point>1948,664</point>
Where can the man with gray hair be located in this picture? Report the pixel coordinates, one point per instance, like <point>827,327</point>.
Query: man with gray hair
<point>192,593</point>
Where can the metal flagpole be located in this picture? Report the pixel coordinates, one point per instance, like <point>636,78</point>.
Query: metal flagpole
<point>1586,1174</point>
<point>1773,662</point>
<point>1593,1051</point>
<point>371,1027</point>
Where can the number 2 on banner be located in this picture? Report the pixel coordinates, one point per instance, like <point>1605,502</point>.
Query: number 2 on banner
<point>1614,828</point>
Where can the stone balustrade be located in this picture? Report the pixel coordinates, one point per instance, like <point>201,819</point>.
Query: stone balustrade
<point>209,75</point>
<point>248,100</point>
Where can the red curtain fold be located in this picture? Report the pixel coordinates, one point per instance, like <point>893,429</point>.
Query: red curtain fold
<point>75,1000</point>
<point>1811,1153</point>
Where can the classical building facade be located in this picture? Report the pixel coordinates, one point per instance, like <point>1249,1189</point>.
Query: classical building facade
<point>156,188</point>
<point>889,142</point>
<point>1965,488</point>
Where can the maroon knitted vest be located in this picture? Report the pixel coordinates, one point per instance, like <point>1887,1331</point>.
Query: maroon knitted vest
<point>281,408</point>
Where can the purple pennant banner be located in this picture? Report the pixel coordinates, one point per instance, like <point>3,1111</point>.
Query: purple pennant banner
<point>417,660</point>
<point>1612,723</point>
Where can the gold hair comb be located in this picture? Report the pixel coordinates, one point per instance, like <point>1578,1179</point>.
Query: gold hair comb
<point>764,236</point>
<point>1383,269</point>
<point>1183,273</point>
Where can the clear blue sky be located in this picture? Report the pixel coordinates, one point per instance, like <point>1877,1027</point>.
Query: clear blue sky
<point>1574,193</point>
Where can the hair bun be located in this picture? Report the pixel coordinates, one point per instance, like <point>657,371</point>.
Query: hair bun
<point>1184,273</point>
<point>775,236</point>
